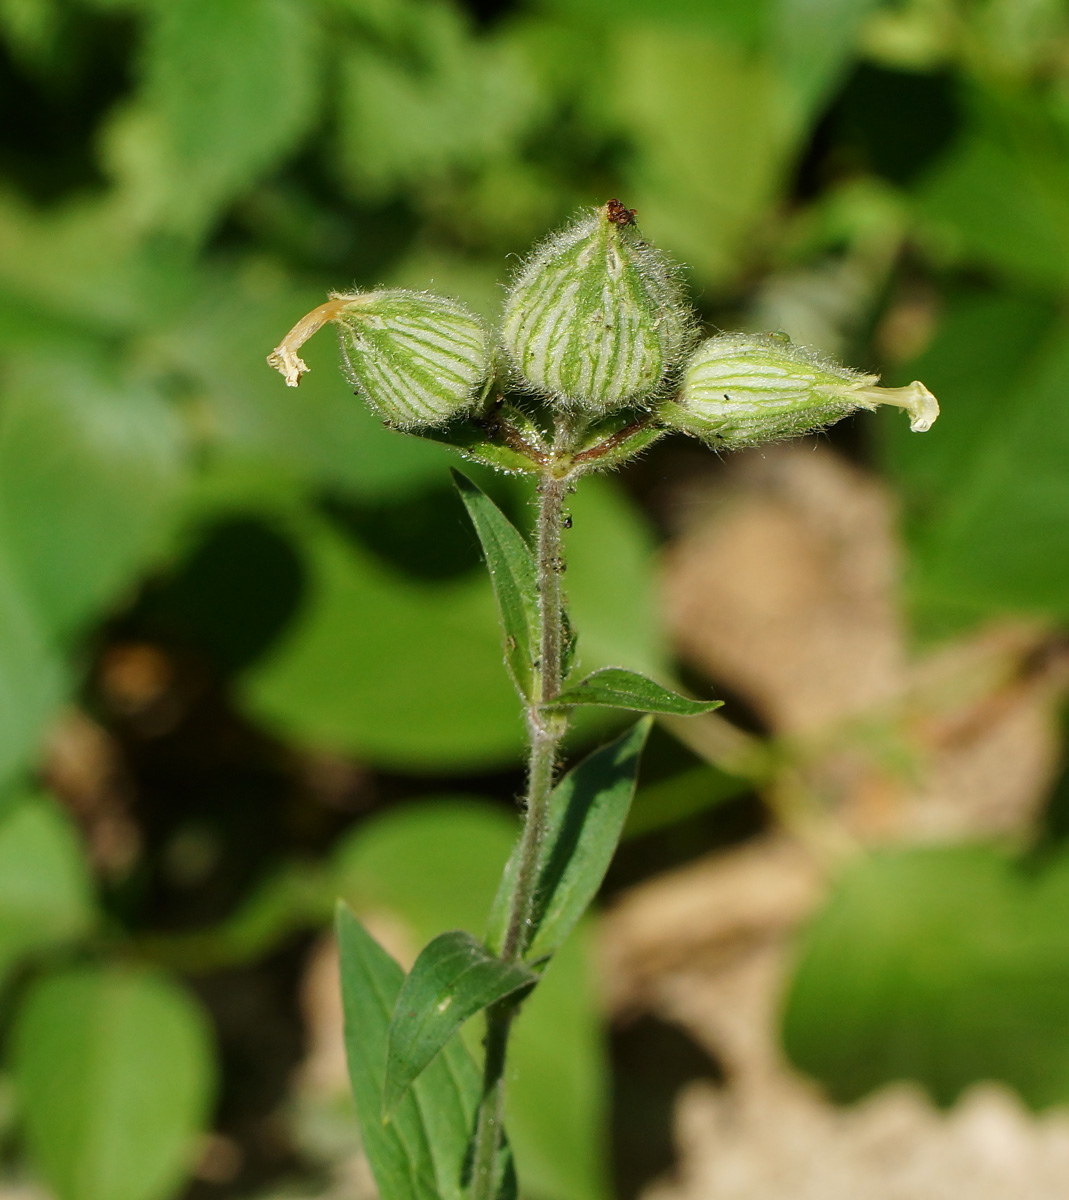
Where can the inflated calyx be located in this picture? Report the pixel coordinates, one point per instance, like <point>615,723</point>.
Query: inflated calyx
<point>596,318</point>
<point>741,389</point>
<point>417,358</point>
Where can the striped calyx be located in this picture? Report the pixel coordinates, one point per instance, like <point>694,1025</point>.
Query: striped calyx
<point>742,389</point>
<point>417,358</point>
<point>596,317</point>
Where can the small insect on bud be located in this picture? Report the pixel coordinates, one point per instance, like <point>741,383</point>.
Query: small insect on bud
<point>417,358</point>
<point>741,389</point>
<point>596,317</point>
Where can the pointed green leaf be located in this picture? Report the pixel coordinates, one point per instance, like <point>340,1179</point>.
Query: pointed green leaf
<point>451,980</point>
<point>587,812</point>
<point>512,570</point>
<point>420,1154</point>
<point>615,687</point>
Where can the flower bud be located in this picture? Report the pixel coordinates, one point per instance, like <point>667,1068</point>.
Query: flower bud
<point>741,389</point>
<point>596,317</point>
<point>417,358</point>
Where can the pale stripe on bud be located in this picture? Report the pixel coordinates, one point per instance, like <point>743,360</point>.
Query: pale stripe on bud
<point>743,389</point>
<point>417,358</point>
<point>596,317</point>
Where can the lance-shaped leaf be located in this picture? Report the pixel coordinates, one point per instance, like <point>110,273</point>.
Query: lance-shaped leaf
<point>615,687</point>
<point>587,811</point>
<point>421,1154</point>
<point>512,571</point>
<point>452,979</point>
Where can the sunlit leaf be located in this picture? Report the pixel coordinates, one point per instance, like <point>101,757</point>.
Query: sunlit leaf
<point>512,571</point>
<point>615,687</point>
<point>434,865</point>
<point>587,812</point>
<point>419,1154</point>
<point>453,978</point>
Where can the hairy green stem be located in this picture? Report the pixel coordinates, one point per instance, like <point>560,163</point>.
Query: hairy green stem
<point>545,732</point>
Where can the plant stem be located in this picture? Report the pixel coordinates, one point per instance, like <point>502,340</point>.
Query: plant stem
<point>545,732</point>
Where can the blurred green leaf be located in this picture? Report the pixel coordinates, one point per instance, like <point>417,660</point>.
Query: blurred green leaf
<point>82,262</point>
<point>401,673</point>
<point>113,1072</point>
<point>91,469</point>
<point>436,99</point>
<point>609,583</point>
<point>1003,192</point>
<point>811,43</point>
<point>33,677</point>
<point>680,797</point>
<point>512,572</point>
<point>615,687</point>
<point>233,84</point>
<point>419,1153</point>
<point>701,113</point>
<point>716,110</point>
<point>30,27</point>
<point>994,538</point>
<point>453,978</point>
<point>586,815</point>
<point>947,966</point>
<point>746,20</point>
<point>982,347</point>
<point>45,889</point>
<point>436,865</point>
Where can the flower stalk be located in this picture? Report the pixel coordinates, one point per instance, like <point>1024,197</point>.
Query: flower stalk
<point>545,731</point>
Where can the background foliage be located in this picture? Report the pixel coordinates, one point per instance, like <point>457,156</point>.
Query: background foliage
<point>248,660</point>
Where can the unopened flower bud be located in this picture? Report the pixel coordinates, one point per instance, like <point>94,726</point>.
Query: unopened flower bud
<point>741,389</point>
<point>417,358</point>
<point>596,317</point>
